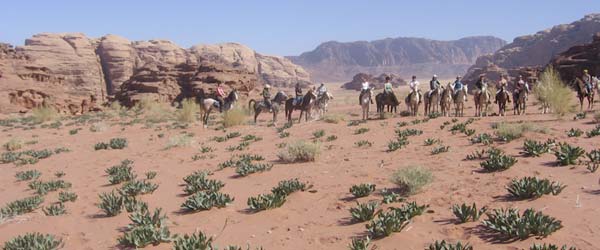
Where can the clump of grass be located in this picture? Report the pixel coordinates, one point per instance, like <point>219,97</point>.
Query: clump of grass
<point>364,211</point>
<point>554,92</point>
<point>153,111</point>
<point>28,175</point>
<point>13,144</point>
<point>362,190</point>
<point>567,154</point>
<point>300,151</point>
<point>34,241</point>
<point>363,143</point>
<point>511,131</point>
<point>181,140</point>
<point>431,141</point>
<point>361,131</point>
<point>509,224</point>
<point>188,111</point>
<point>535,148</point>
<point>574,132</point>
<point>44,114</point>
<point>55,209</point>
<point>497,161</point>
<point>411,180</point>
<point>331,138</point>
<point>550,247</point>
<point>466,213</point>
<point>443,245</point>
<point>484,138</point>
<point>234,117</point>
<point>21,206</point>
<point>333,118</point>
<point>398,143</point>
<point>533,188</point>
<point>319,133</point>
<point>440,149</point>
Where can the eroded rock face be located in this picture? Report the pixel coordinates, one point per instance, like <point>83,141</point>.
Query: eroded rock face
<point>571,63</point>
<point>281,72</point>
<point>374,81</point>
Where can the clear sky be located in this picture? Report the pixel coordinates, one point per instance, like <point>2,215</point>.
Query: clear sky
<point>286,27</point>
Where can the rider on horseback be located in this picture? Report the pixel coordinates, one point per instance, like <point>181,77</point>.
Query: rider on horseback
<point>321,90</point>
<point>388,90</point>
<point>364,90</point>
<point>458,86</point>
<point>414,87</point>
<point>434,84</point>
<point>520,85</point>
<point>299,95</point>
<point>502,85</point>
<point>266,94</point>
<point>481,86</point>
<point>219,95</point>
<point>587,81</point>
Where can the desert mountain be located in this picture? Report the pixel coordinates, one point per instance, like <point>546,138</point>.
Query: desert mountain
<point>572,62</point>
<point>336,61</point>
<point>531,52</point>
<point>66,68</point>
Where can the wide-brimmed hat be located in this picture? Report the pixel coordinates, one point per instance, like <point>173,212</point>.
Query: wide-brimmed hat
<point>267,86</point>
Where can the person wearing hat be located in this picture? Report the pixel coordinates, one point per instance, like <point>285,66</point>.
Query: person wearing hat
<point>434,84</point>
<point>520,85</point>
<point>587,80</point>
<point>502,86</point>
<point>220,94</point>
<point>266,94</point>
<point>414,87</point>
<point>388,89</point>
<point>481,86</point>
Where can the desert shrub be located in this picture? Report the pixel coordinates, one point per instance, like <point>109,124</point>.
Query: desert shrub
<point>333,118</point>
<point>466,213</point>
<point>443,245</point>
<point>150,175</point>
<point>146,229</point>
<point>240,147</point>
<point>484,138</point>
<point>364,211</point>
<point>118,143</point>
<point>121,173</point>
<point>25,157</point>
<point>101,146</point>
<point>181,140</point>
<point>393,220</point>
<point>34,241</point>
<point>390,197</point>
<point>43,188</point>
<point>553,91</point>
<point>59,174</point>
<point>361,131</point>
<point>532,187</point>
<point>434,115</point>
<point>188,111</point>
<point>594,132</point>
<point>431,141</point>
<point>28,175</point>
<point>412,179</point>
<point>398,143</point>
<point>574,132</point>
<point>266,201</point>
<point>401,124</point>
<point>153,111</point>
<point>331,138</point>
<point>206,200</point>
<point>511,131</point>
<point>98,127</point>
<point>196,241</point>
<point>234,117</point>
<point>233,135</point>
<point>362,190</point>
<point>360,243</point>
<point>469,132</point>
<point>319,133</point>
<point>535,148</point>
<point>286,187</point>
<point>567,154</point>
<point>497,161</point>
<point>440,149</point>
<point>132,204</point>
<point>66,196</point>
<point>44,114</point>
<point>13,144</point>
<point>363,143</point>
<point>509,224</point>
<point>206,149</point>
<point>55,209</point>
<point>550,247</point>
<point>249,168</point>
<point>459,127</point>
<point>22,206</point>
<point>300,151</point>
<point>284,134</point>
<point>594,160</point>
<point>408,132</point>
<point>111,203</point>
<point>137,187</point>
<point>251,138</point>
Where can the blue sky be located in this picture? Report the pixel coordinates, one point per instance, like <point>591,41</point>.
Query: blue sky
<point>286,27</point>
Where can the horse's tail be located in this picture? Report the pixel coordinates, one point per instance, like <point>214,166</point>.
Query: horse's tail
<point>250,106</point>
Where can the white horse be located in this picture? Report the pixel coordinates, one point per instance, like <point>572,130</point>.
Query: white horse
<point>322,103</point>
<point>207,104</point>
<point>365,103</point>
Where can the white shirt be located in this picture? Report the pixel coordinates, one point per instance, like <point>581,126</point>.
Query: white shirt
<point>365,85</point>
<point>414,84</point>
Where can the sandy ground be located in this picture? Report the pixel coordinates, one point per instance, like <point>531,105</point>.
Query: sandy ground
<point>308,220</point>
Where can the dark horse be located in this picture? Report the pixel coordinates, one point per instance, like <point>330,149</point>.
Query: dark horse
<point>583,93</point>
<point>501,98</point>
<point>207,104</point>
<point>261,106</point>
<point>305,106</point>
<point>385,100</point>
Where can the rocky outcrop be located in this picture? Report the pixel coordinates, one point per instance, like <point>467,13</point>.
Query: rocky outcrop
<point>529,53</point>
<point>571,63</point>
<point>335,61</point>
<point>374,81</point>
<point>68,68</point>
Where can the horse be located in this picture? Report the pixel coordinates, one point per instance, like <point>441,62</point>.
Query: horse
<point>459,102</point>
<point>412,103</point>
<point>432,100</point>
<point>446,100</point>
<point>501,98</point>
<point>322,102</point>
<point>520,102</point>
<point>582,93</point>
<point>365,103</point>
<point>382,100</point>
<point>305,106</point>
<point>207,104</point>
<point>481,102</point>
<point>261,106</point>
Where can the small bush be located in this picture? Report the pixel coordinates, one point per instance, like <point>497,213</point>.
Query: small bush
<point>196,241</point>
<point>440,149</point>
<point>362,190</point>
<point>146,229</point>
<point>393,220</point>
<point>485,139</point>
<point>178,141</point>
<point>466,213</point>
<point>399,143</point>
<point>412,179</point>
<point>118,143</point>
<point>594,132</point>
<point>137,187</point>
<point>319,133</point>
<point>567,154</point>
<point>266,201</point>
<point>206,200</point>
<point>574,132</point>
<point>44,114</point>
<point>28,175</point>
<point>34,241</point>
<point>364,211</point>
<point>550,247</point>
<point>55,209</point>
<point>111,203</point>
<point>66,196</point>
<point>22,206</point>
<point>188,111</point>
<point>300,151</point>
<point>13,144</point>
<point>553,91</point>
<point>360,243</point>
<point>532,188</point>
<point>361,131</point>
<point>443,245</point>
<point>511,131</point>
<point>535,148</point>
<point>234,117</point>
<point>287,187</point>
<point>498,161</point>
<point>509,224</point>
<point>363,143</point>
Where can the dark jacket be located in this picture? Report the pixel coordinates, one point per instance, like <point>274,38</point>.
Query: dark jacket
<point>298,91</point>
<point>434,84</point>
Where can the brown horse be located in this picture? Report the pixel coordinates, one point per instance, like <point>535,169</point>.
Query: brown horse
<point>382,100</point>
<point>501,98</point>
<point>446,100</point>
<point>261,106</point>
<point>520,103</point>
<point>305,106</point>
<point>432,100</point>
<point>583,93</point>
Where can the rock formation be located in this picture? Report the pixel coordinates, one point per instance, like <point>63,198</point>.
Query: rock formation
<point>336,61</point>
<point>65,69</point>
<point>571,63</point>
<point>375,81</point>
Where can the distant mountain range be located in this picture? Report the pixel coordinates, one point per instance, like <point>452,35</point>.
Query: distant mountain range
<point>404,56</point>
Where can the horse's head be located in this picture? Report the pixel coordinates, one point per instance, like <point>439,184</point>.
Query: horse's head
<point>233,95</point>
<point>280,97</point>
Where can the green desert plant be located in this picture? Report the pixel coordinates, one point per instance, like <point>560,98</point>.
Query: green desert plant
<point>319,133</point>
<point>509,224</point>
<point>331,138</point>
<point>390,196</point>
<point>13,144</point>
<point>360,243</point>
<point>443,245</point>
<point>146,229</point>
<point>574,132</point>
<point>535,148</point>
<point>150,175</point>
<point>132,204</point>
<point>137,187</point>
<point>206,200</point>
<point>393,220</point>
<point>498,161</point>
<point>266,201</point>
<point>59,174</point>
<point>532,188</point>
<point>55,209</point>
<point>469,132</point>
<point>300,151</point>
<point>101,146</point>
<point>21,206</point>
<point>284,134</point>
<point>567,154</point>
<point>111,203</point>
<point>364,211</point>
<point>363,143</point>
<point>196,241</point>
<point>43,188</point>
<point>440,149</point>
<point>249,168</point>
<point>362,190</point>
<point>118,143</point>
<point>594,160</point>
<point>28,175</point>
<point>66,196</point>
<point>466,213</point>
<point>431,141</point>
<point>550,247</point>
<point>361,131</point>
<point>408,132</point>
<point>401,124</point>
<point>594,132</point>
<point>398,143</point>
<point>121,173</point>
<point>484,138</point>
<point>240,147</point>
<point>553,91</point>
<point>286,187</point>
<point>412,179</point>
<point>34,241</point>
